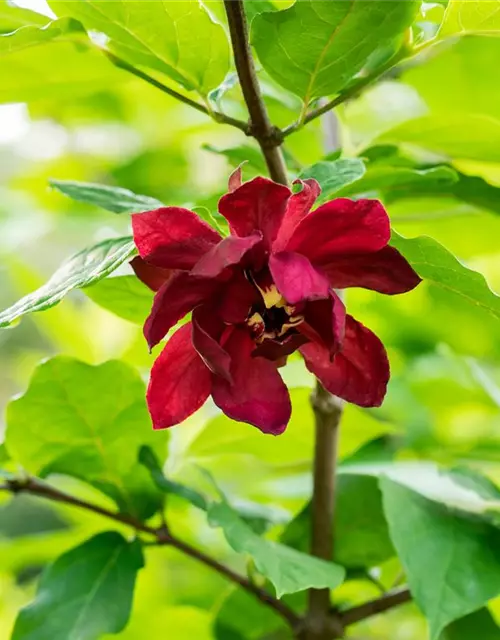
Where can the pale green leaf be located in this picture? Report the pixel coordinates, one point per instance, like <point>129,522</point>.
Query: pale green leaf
<point>82,270</point>
<point>125,296</point>
<point>31,36</point>
<point>115,199</point>
<point>465,16</point>
<point>87,422</point>
<point>462,552</point>
<point>13,17</point>
<point>316,47</point>
<point>437,265</point>
<point>336,175</point>
<point>288,570</point>
<point>86,593</point>
<point>179,39</point>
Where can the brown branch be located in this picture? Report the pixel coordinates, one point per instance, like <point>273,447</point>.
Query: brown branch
<point>373,607</point>
<point>218,116</point>
<point>268,137</point>
<point>162,536</point>
<point>327,413</point>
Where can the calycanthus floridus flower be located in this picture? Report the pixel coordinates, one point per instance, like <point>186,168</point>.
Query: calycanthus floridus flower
<point>261,293</point>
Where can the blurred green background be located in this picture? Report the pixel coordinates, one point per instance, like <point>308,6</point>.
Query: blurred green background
<point>444,396</point>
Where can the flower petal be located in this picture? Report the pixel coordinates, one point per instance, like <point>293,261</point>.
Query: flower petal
<point>275,350</point>
<point>324,323</point>
<point>180,382</point>
<point>174,299</point>
<point>359,373</point>
<point>235,179</point>
<point>236,299</point>
<point>153,277</point>
<point>172,238</point>
<point>207,333</point>
<point>297,208</point>
<point>385,271</point>
<point>226,253</point>
<point>296,279</point>
<point>258,205</point>
<point>342,227</point>
<point>258,395</point>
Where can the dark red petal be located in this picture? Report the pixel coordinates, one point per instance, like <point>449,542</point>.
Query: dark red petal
<point>180,382</point>
<point>342,227</point>
<point>359,373</point>
<point>274,350</point>
<point>174,299</point>
<point>258,395</point>
<point>207,333</point>
<point>385,271</point>
<point>297,208</point>
<point>228,252</point>
<point>296,279</point>
<point>153,277</point>
<point>324,322</point>
<point>235,181</point>
<point>172,238</point>
<point>258,205</point>
<point>236,299</point>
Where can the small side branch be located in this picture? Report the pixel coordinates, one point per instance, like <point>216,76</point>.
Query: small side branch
<point>373,607</point>
<point>216,115</point>
<point>162,536</point>
<point>268,137</point>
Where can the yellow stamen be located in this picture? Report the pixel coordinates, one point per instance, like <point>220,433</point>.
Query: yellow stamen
<point>272,297</point>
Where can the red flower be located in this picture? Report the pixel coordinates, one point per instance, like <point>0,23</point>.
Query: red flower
<point>260,294</point>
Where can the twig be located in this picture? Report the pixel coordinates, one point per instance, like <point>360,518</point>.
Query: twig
<point>162,536</point>
<point>268,137</point>
<point>327,412</point>
<point>218,116</point>
<point>373,607</point>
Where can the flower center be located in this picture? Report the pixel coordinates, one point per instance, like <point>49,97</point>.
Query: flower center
<point>271,317</point>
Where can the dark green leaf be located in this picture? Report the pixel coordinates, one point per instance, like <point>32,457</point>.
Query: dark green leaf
<point>148,458</point>
<point>452,563</point>
<point>336,175</point>
<point>86,593</point>
<point>87,422</point>
<point>31,36</point>
<point>113,199</point>
<point>316,47</point>
<point>478,625</point>
<point>82,270</point>
<point>361,534</point>
<point>288,570</point>
<point>179,39</point>
<point>242,153</point>
<point>125,296</point>
<point>437,265</point>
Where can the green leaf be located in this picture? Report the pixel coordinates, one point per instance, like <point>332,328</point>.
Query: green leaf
<point>465,16</point>
<point>13,17</point>
<point>461,551</point>
<point>87,422</point>
<point>396,179</point>
<point>56,70</point>
<point>437,265</point>
<point>86,593</point>
<point>335,176</point>
<point>288,570</point>
<point>115,199</point>
<point>479,624</point>
<point>148,458</point>
<point>361,533</point>
<point>125,296</point>
<point>31,36</point>
<point>316,47</point>
<point>179,39</point>
<point>82,270</point>
<point>238,155</point>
